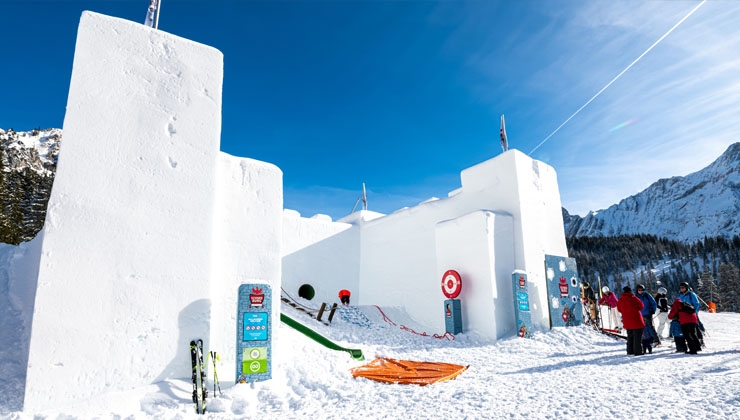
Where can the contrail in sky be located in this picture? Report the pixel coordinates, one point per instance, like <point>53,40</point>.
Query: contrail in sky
<point>619,75</point>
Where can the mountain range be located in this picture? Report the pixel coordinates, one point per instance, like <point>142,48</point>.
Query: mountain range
<point>687,208</point>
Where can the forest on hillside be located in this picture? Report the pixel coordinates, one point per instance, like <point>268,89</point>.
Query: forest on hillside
<point>710,265</point>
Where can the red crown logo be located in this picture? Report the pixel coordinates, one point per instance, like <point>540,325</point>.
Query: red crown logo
<point>257,291</point>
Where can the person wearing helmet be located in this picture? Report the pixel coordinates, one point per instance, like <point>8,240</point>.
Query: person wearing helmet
<point>689,322</point>
<point>685,295</point>
<point>662,301</point>
<point>610,300</point>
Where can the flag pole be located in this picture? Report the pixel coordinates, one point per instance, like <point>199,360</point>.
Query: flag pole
<point>364,197</point>
<point>156,19</point>
<point>504,140</point>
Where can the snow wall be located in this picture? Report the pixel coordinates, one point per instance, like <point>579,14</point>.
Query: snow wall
<point>149,229</point>
<point>506,216</point>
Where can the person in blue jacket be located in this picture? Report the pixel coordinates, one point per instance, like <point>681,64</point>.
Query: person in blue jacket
<point>650,306</point>
<point>687,296</point>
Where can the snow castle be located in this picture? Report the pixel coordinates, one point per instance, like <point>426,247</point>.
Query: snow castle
<point>148,213</point>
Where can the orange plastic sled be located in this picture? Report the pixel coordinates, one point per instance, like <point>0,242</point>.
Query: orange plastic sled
<point>392,371</point>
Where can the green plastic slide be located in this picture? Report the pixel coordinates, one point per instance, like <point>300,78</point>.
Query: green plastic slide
<point>355,353</point>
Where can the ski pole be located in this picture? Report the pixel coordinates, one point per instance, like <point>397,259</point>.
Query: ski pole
<point>215,357</point>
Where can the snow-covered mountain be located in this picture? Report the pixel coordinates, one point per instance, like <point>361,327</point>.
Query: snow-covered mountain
<point>35,149</point>
<point>684,208</point>
<point>27,165</point>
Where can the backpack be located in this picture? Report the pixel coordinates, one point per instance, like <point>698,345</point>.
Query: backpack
<point>688,308</point>
<point>663,304</point>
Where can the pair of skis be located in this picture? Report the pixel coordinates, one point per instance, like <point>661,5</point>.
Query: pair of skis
<point>200,393</point>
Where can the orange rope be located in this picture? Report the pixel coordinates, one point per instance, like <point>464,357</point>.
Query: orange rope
<point>446,335</point>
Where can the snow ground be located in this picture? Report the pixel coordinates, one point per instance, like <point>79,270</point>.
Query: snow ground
<point>564,373</point>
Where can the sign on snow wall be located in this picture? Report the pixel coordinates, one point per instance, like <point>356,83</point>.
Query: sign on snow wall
<point>254,333</point>
<point>520,286</point>
<point>563,291</point>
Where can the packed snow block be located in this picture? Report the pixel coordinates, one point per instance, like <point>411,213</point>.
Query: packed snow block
<point>322,254</point>
<point>480,247</point>
<point>398,265</point>
<point>526,189</point>
<point>399,253</point>
<point>247,234</point>
<point>126,260</point>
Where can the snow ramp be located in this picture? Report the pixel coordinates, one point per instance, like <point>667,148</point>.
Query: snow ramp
<point>308,332</point>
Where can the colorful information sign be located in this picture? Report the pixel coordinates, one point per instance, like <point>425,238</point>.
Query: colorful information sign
<point>254,333</point>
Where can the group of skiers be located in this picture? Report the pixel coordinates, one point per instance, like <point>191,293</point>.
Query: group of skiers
<point>640,309</point>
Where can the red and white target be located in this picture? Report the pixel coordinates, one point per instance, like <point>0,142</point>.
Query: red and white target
<point>451,284</point>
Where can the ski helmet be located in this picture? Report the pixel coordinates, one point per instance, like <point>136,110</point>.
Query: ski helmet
<point>684,284</point>
<point>662,291</point>
<point>605,289</point>
<point>640,286</point>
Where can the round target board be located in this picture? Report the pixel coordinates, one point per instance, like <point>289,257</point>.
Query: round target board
<point>451,284</point>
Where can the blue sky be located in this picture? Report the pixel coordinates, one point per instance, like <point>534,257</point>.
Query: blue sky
<point>403,95</point>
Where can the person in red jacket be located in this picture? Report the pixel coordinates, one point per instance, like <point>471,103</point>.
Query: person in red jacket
<point>630,306</point>
<point>686,315</point>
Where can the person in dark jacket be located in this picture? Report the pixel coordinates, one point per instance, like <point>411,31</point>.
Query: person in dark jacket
<point>647,341</point>
<point>648,310</point>
<point>662,300</point>
<point>630,306</point>
<point>686,315</point>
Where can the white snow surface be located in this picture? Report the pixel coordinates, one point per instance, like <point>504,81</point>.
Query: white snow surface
<point>564,373</point>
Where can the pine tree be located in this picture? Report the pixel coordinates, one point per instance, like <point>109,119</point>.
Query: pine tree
<point>707,287</point>
<point>729,288</point>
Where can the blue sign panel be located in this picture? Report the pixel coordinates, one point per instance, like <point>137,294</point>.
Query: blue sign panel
<point>520,286</point>
<point>255,326</point>
<point>453,316</point>
<point>254,333</point>
<point>563,291</point>
<point>522,300</point>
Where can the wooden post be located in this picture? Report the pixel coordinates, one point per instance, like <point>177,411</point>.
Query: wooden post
<point>321,311</point>
<point>331,312</point>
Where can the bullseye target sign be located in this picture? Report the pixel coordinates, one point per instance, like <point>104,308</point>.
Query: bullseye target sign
<point>451,284</point>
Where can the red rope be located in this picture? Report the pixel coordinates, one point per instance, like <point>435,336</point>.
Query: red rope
<point>446,335</point>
